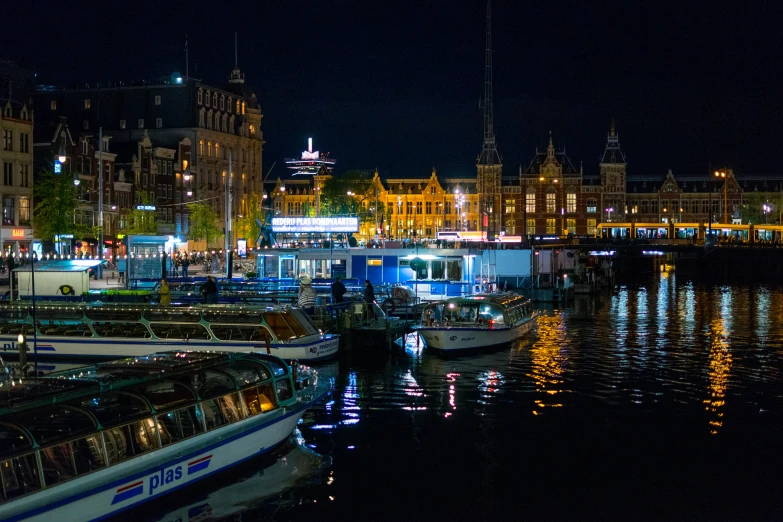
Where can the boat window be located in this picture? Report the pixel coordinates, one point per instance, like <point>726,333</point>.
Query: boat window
<point>57,463</point>
<point>297,328</point>
<point>259,399</point>
<point>179,331</point>
<point>462,312</point>
<point>59,314</point>
<point>180,424</point>
<point>11,326</point>
<point>166,394</point>
<point>493,312</point>
<point>305,321</point>
<point>13,313</point>
<point>122,330</point>
<point>222,410</point>
<point>209,383</point>
<point>64,328</point>
<point>278,368</point>
<point>13,440</point>
<point>230,332</point>
<point>434,312</point>
<point>115,408</point>
<point>278,325</point>
<point>128,441</point>
<point>88,454</point>
<point>19,476</point>
<point>56,423</point>
<point>284,390</point>
<point>245,373</point>
<point>238,316</point>
<point>184,315</point>
<point>113,314</point>
<point>438,269</point>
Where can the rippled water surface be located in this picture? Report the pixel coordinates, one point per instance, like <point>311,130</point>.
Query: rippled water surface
<point>660,401</point>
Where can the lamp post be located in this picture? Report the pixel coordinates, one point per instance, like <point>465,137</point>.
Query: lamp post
<point>609,210</point>
<point>767,209</point>
<point>725,174</point>
<point>61,158</point>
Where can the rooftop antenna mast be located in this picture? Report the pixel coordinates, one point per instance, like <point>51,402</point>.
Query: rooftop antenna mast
<point>489,153</point>
<point>236,53</point>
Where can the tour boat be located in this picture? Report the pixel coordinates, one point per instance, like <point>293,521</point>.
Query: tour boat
<point>88,443</point>
<point>476,321</point>
<point>73,330</point>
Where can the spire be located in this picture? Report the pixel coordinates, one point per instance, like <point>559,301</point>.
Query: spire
<point>612,152</point>
<point>489,153</point>
<point>236,76</point>
<point>550,150</point>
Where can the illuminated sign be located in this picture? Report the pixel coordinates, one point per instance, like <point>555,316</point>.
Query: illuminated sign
<point>63,236</point>
<point>17,232</point>
<point>58,167</point>
<point>242,247</point>
<point>120,236</point>
<point>601,252</point>
<point>146,207</point>
<point>312,224</point>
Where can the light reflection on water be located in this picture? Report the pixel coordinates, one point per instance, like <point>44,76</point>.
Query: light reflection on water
<point>670,360</point>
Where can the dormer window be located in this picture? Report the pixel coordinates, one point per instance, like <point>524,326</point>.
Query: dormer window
<point>200,97</point>
<point>208,98</point>
<point>214,100</point>
<point>222,102</point>
<point>228,104</point>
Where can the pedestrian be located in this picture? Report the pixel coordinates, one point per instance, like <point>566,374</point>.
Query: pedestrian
<point>307,298</point>
<point>185,265</point>
<point>369,292</point>
<point>165,293</point>
<point>174,265</point>
<point>338,291</point>
<point>209,291</point>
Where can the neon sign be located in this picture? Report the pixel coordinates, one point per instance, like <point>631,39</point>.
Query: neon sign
<point>311,225</point>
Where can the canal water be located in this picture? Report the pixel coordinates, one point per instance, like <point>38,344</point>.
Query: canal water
<point>660,401</point>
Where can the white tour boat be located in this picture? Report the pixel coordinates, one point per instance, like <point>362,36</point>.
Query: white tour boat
<point>89,443</point>
<point>476,321</point>
<point>94,331</point>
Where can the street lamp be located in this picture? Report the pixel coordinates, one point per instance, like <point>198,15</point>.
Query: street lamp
<point>609,211</point>
<point>725,174</point>
<point>767,209</point>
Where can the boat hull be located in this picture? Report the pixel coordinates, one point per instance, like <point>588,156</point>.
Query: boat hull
<point>458,338</point>
<point>104,493</point>
<point>52,347</point>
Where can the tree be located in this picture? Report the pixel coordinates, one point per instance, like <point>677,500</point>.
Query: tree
<point>247,226</point>
<point>203,223</point>
<point>362,203</point>
<point>142,222</point>
<point>752,208</point>
<point>56,201</point>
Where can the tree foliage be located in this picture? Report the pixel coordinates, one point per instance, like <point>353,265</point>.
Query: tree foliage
<point>363,203</point>
<point>247,226</point>
<point>141,222</point>
<point>56,201</point>
<point>202,222</point>
<point>752,208</point>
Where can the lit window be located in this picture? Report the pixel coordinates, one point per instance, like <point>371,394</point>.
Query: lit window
<point>550,226</point>
<point>530,202</point>
<point>122,124</point>
<point>87,103</point>
<point>510,207</point>
<point>159,123</point>
<point>551,207</point>
<point>141,123</point>
<point>570,226</point>
<point>157,100</point>
<point>531,226</point>
<point>571,202</point>
<point>592,206</point>
<point>591,224</point>
<point>53,105</point>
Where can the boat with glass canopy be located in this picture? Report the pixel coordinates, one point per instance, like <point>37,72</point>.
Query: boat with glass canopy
<point>476,321</point>
<point>87,443</point>
<point>72,330</point>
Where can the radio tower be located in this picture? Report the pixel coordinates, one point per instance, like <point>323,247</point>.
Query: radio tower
<point>489,165</point>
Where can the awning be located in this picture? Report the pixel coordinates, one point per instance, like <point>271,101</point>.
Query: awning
<point>61,265</point>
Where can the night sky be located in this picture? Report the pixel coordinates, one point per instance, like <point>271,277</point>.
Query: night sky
<point>396,85</point>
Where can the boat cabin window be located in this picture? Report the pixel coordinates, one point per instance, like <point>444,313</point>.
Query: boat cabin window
<point>113,314</point>
<point>462,312</point>
<point>231,332</point>
<point>239,316</point>
<point>277,368</point>
<point>210,383</point>
<point>304,320</point>
<point>13,313</point>
<point>279,326</point>
<point>59,314</point>
<point>293,323</point>
<point>284,390</point>
<point>434,312</point>
<point>179,331</point>
<point>114,408</point>
<point>245,373</point>
<point>121,330</point>
<point>64,461</point>
<point>130,440</point>
<point>13,440</point>
<point>259,399</point>
<point>222,410</point>
<point>56,423</point>
<point>184,315</point>
<point>64,328</point>
<point>491,312</point>
<point>19,476</point>
<point>164,395</point>
<point>180,424</point>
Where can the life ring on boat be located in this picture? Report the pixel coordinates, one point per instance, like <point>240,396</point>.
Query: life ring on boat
<point>66,290</point>
<point>388,306</point>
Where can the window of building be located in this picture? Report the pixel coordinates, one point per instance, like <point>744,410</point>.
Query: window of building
<point>87,103</point>
<point>243,107</point>
<point>209,149</point>
<point>510,227</point>
<point>645,208</point>
<point>654,206</point>
<point>428,208</point>
<point>8,140</point>
<point>214,100</point>
<point>200,97</point>
<point>591,225</point>
<point>530,201</point>
<point>8,210</point>
<point>53,105</point>
<point>551,206</point>
<point>85,125</point>
<point>201,147</point>
<point>571,202</point>
<point>141,123</point>
<point>592,206</point>
<point>222,102</point>
<point>24,175</point>
<point>551,227</point>
<point>419,207</point>
<point>8,174</point>
<point>409,207</point>
<point>695,206</point>
<point>159,123</point>
<point>448,208</point>
<point>157,99</point>
<point>531,226</point>
<point>24,211</point>
<point>228,104</point>
<point>217,149</point>
<point>511,207</point>
<point>208,98</point>
<point>437,208</point>
<point>24,142</point>
<point>122,124</point>
<point>715,206</point>
<point>570,226</point>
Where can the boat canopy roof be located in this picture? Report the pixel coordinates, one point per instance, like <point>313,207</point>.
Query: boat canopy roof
<point>506,299</point>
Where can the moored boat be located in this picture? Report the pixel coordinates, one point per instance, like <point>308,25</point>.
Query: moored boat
<point>476,321</point>
<point>88,443</point>
<point>94,331</point>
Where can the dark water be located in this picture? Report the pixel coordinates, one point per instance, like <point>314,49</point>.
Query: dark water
<point>662,401</point>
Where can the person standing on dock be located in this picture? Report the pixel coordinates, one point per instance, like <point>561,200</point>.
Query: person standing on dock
<point>165,293</point>
<point>369,292</point>
<point>185,265</point>
<point>338,291</point>
<point>307,297</point>
<point>210,290</point>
